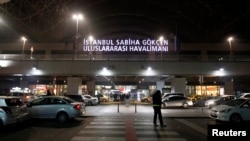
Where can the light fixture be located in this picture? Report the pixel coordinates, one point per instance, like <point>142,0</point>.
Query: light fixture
<point>24,40</point>
<point>230,39</point>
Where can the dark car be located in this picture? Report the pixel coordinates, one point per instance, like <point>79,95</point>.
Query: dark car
<point>76,97</point>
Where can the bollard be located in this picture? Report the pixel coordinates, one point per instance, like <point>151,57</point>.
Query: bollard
<point>118,108</point>
<point>135,108</point>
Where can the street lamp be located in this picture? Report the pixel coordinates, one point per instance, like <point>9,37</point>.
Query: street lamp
<point>229,39</point>
<point>161,38</point>
<point>77,17</point>
<point>230,44</point>
<point>91,38</point>
<point>24,40</point>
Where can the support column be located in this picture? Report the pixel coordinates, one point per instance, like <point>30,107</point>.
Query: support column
<point>91,87</point>
<point>24,84</point>
<point>160,85</point>
<point>74,85</point>
<point>229,88</point>
<point>178,85</point>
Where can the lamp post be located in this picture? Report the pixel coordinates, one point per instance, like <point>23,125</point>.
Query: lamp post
<point>161,40</point>
<point>229,39</point>
<point>24,40</point>
<point>77,17</point>
<point>91,38</point>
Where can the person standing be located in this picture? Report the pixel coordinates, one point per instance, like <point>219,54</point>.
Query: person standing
<point>157,108</point>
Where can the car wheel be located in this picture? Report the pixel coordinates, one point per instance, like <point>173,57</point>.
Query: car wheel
<point>185,105</point>
<point>90,103</point>
<point>62,117</point>
<point>163,105</point>
<point>235,118</point>
<point>1,124</point>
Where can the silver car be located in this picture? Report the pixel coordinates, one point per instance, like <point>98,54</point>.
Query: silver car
<point>12,110</point>
<point>218,100</point>
<point>60,108</point>
<point>176,101</point>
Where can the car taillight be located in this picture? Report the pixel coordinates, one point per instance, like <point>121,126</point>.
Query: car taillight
<point>78,106</point>
<point>7,110</point>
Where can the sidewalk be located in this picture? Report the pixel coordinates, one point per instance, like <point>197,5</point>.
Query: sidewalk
<point>143,110</point>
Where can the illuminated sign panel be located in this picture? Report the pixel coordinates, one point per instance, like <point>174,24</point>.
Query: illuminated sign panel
<point>125,45</point>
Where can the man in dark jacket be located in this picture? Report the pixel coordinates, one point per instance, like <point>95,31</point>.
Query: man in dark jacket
<point>157,108</point>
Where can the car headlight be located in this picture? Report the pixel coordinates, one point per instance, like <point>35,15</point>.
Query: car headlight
<point>225,111</point>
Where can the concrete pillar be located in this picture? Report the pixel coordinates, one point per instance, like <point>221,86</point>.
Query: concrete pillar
<point>178,85</point>
<point>91,87</point>
<point>204,56</point>
<point>74,85</point>
<point>24,84</point>
<point>229,88</point>
<point>47,54</point>
<point>160,85</point>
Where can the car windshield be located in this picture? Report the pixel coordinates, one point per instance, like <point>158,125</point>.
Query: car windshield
<point>69,100</point>
<point>238,96</point>
<point>235,102</point>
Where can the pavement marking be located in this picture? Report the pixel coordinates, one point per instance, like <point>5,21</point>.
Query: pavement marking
<point>192,125</point>
<point>84,138</point>
<point>105,127</point>
<point>125,129</point>
<point>158,132</point>
<point>162,139</point>
<point>102,132</point>
<point>108,123</point>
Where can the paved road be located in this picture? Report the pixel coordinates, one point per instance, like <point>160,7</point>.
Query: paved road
<point>110,123</point>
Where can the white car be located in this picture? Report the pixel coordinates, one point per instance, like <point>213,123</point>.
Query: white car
<point>236,110</point>
<point>90,100</point>
<point>243,95</point>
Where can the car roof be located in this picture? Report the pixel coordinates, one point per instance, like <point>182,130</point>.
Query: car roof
<point>8,97</point>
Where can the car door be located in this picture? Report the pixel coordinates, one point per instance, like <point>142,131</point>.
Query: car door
<point>173,101</point>
<point>245,111</point>
<point>49,108</point>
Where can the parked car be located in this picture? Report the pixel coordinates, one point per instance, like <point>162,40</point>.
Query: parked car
<point>12,110</point>
<point>26,97</point>
<point>176,101</point>
<point>76,97</point>
<point>60,108</point>
<point>236,110</point>
<point>103,98</point>
<point>170,94</point>
<point>218,100</point>
<point>90,100</point>
<point>243,95</point>
<point>147,99</point>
